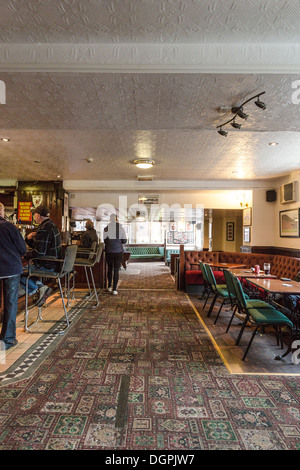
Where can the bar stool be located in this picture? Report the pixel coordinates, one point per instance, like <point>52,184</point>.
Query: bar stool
<point>67,264</point>
<point>89,263</point>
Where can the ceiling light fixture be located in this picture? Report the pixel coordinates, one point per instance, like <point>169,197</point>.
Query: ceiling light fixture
<point>142,163</point>
<point>221,132</point>
<point>5,139</point>
<point>239,111</point>
<point>273,144</point>
<point>260,104</point>
<point>236,125</point>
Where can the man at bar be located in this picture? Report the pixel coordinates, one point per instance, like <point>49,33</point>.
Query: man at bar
<point>12,248</point>
<point>89,236</point>
<point>45,242</point>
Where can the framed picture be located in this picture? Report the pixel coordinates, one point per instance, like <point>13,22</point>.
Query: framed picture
<point>289,223</point>
<point>247,216</point>
<point>230,231</point>
<point>247,235</point>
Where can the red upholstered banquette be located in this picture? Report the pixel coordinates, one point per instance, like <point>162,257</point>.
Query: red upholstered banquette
<point>281,266</point>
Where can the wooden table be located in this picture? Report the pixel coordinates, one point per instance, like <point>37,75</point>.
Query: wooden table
<point>251,274</point>
<point>276,286</point>
<point>227,265</point>
<point>222,265</point>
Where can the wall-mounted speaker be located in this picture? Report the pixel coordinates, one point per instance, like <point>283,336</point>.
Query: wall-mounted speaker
<point>271,195</point>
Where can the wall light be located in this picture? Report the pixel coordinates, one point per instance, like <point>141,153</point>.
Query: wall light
<point>142,163</point>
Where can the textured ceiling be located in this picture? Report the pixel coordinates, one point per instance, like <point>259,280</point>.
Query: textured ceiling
<point>107,81</point>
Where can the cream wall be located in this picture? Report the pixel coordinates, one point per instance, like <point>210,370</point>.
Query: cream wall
<point>213,199</point>
<point>279,241</point>
<point>265,225</point>
<point>219,234</point>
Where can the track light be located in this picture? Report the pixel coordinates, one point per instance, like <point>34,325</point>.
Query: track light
<point>236,125</point>
<point>239,111</point>
<point>260,104</point>
<point>221,132</point>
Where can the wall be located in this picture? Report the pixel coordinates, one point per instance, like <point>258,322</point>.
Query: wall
<point>265,223</point>
<point>220,243</point>
<point>214,199</point>
<point>284,241</point>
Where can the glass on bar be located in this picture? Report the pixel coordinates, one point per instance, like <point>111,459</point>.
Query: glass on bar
<point>267,268</point>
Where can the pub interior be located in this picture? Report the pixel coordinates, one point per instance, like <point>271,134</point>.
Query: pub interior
<point>199,348</point>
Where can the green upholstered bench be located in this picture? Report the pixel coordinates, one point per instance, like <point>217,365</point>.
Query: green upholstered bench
<point>169,252</point>
<point>146,252</point>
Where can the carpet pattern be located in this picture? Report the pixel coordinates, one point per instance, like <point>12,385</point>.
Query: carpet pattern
<point>139,372</point>
<point>146,276</point>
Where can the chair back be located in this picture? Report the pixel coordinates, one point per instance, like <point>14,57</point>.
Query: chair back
<point>239,293</point>
<point>93,249</point>
<point>69,259</point>
<point>210,277</point>
<point>99,252</point>
<point>229,283</point>
<point>97,255</point>
<point>203,271</point>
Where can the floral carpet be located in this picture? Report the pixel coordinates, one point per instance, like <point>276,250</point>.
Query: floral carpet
<point>139,372</point>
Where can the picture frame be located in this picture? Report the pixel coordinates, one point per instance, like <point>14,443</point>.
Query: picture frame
<point>247,216</point>
<point>289,223</point>
<point>247,234</point>
<point>230,231</point>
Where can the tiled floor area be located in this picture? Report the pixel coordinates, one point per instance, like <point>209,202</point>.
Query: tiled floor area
<point>53,318</point>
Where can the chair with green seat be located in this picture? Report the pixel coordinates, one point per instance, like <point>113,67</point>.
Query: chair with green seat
<point>219,292</point>
<point>260,314</point>
<point>234,304</point>
<point>207,289</point>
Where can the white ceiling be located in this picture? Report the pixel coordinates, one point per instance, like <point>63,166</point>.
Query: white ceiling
<point>118,80</point>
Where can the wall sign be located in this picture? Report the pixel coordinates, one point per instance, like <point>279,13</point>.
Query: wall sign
<point>24,214</point>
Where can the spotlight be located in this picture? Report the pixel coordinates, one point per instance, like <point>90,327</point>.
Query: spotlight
<point>239,111</point>
<point>221,132</point>
<point>236,125</point>
<point>260,104</point>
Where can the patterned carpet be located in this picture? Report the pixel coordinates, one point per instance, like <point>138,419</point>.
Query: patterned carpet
<point>140,373</point>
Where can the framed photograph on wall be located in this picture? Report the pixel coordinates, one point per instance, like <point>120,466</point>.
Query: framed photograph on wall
<point>247,235</point>
<point>230,231</point>
<point>247,216</point>
<point>289,223</point>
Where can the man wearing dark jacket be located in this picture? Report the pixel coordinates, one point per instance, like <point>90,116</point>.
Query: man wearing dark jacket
<point>45,242</point>
<point>12,248</point>
<point>114,238</point>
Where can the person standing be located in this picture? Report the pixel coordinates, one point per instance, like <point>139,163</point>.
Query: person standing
<point>12,248</point>
<point>114,238</point>
<point>45,242</point>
